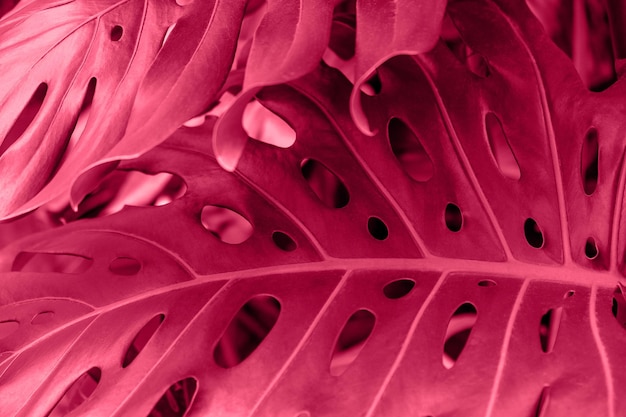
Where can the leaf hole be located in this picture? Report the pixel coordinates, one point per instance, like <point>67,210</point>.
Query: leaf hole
<point>41,262</point>
<point>453,217</point>
<point>487,283</point>
<point>591,249</point>
<point>141,339</point>
<point>176,400</point>
<point>167,34</point>
<point>42,318</point>
<point>116,33</point>
<point>284,242</point>
<point>25,118</point>
<point>501,148</point>
<point>398,288</point>
<point>250,326</point>
<point>377,228</point>
<point>569,294</point>
<point>226,225</point>
<point>409,151</point>
<point>533,233</point>
<point>618,307</point>
<point>77,393</point>
<point>195,121</point>
<point>263,125</point>
<point>458,332</point>
<point>589,162</point>
<point>351,340</point>
<point>125,266</point>
<point>373,85</point>
<point>134,188</point>
<point>543,402</point>
<point>549,328</point>
<point>325,184</point>
<point>8,327</point>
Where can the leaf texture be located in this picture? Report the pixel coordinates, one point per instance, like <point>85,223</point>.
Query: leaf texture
<point>464,257</point>
<point>52,51</point>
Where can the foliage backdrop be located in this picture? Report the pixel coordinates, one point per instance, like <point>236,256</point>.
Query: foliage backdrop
<point>309,208</point>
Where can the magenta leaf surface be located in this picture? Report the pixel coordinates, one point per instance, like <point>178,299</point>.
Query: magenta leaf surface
<point>122,89</point>
<point>461,255</point>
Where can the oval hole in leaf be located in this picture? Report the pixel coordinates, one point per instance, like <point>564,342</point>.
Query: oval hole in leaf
<point>377,228</point>
<point>77,393</point>
<point>141,339</point>
<point>226,224</point>
<point>177,400</point>
<point>167,34</point>
<point>589,161</point>
<point>453,217</point>
<point>130,188</point>
<point>569,294</point>
<point>351,340</point>
<point>542,404</point>
<point>8,327</point>
<point>44,317</point>
<point>116,33</point>
<point>284,242</point>
<point>549,328</point>
<point>487,283</point>
<point>195,121</point>
<point>409,151</point>
<point>41,262</point>
<point>591,248</point>
<point>457,333</point>
<point>325,184</point>
<point>398,288</point>
<point>247,330</point>
<point>125,266</point>
<point>533,233</point>
<point>618,307</point>
<point>500,148</point>
<point>25,118</point>
<point>263,125</point>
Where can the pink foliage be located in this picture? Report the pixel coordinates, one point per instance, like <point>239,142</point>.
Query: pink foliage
<point>309,208</point>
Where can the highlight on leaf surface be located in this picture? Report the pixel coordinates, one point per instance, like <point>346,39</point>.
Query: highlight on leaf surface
<point>428,221</point>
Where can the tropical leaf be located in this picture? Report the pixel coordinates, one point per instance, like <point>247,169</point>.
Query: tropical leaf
<point>121,88</point>
<point>465,260</point>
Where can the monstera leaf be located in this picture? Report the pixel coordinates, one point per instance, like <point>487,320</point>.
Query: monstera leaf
<point>463,257</point>
<point>84,83</point>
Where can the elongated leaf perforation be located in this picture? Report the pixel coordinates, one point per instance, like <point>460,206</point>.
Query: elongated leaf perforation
<point>351,340</point>
<point>26,117</point>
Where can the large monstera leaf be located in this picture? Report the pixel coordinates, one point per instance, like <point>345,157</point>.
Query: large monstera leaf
<point>465,260</point>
